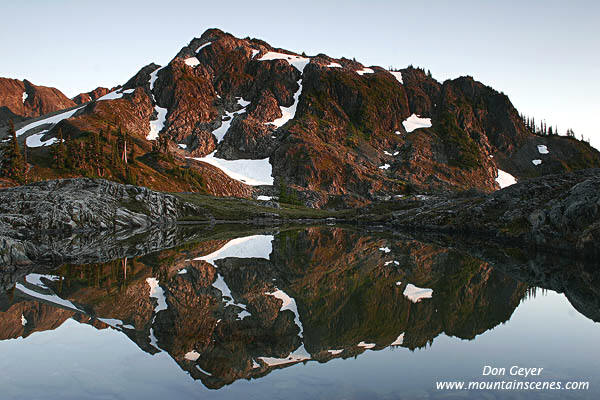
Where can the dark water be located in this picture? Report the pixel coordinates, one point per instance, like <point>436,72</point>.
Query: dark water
<point>312,313</point>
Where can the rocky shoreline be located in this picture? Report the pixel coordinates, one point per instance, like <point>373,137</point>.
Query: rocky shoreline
<point>46,221</point>
<point>558,213</point>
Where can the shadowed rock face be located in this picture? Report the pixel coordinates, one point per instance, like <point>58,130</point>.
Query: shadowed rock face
<point>346,126</point>
<point>231,309</point>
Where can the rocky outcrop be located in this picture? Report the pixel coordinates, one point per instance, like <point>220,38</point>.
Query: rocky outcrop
<point>95,94</point>
<point>560,213</point>
<point>41,221</point>
<point>24,99</point>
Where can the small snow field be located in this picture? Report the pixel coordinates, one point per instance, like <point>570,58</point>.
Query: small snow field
<point>288,304</point>
<point>203,371</point>
<point>158,124</point>
<point>35,140</point>
<point>250,172</point>
<point>288,113</point>
<point>335,352</point>
<point>24,97</point>
<point>385,249</point>
<point>203,46</point>
<point>182,146</point>
<point>192,61</point>
<point>416,122</point>
<point>542,149</point>
<point>192,355</point>
<point>50,120</point>
<point>505,179</point>
<point>416,294</point>
<point>385,166</point>
<point>366,345</point>
<point>256,246</point>
<point>254,53</point>
<point>297,61</point>
<point>36,279</point>
<point>399,340</point>
<point>365,71</point>
<point>536,162</point>
<point>299,355</point>
<point>264,198</point>
<point>157,293</point>
<point>334,65</point>
<point>23,320</point>
<point>397,75</point>
<point>227,119</point>
<point>50,298</point>
<point>117,94</point>
<point>182,272</point>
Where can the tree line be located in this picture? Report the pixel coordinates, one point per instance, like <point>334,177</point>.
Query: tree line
<point>542,128</point>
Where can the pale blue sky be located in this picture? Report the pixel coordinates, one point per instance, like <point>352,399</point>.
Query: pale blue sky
<point>544,54</point>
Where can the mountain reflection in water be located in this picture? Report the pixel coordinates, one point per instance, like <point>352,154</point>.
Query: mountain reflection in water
<point>242,307</point>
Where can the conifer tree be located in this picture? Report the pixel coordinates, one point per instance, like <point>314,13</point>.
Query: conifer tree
<point>60,151</point>
<point>12,163</point>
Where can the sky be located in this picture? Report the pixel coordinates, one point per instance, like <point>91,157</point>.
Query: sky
<point>545,55</point>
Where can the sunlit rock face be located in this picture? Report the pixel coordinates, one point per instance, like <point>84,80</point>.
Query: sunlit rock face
<point>232,308</point>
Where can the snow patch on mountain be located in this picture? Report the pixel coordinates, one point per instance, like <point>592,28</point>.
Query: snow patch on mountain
<point>415,122</point>
<point>536,162</point>
<point>334,65</point>
<point>542,149</point>
<point>365,71</point>
<point>158,124</point>
<point>221,131</point>
<point>203,46</point>
<point>36,140</point>
<point>288,304</point>
<point>24,97</point>
<point>296,61</point>
<point>116,94</point>
<point>505,179</point>
<point>250,172</point>
<point>288,113</point>
<point>385,166</point>
<point>50,120</point>
<point>397,75</point>
<point>192,61</point>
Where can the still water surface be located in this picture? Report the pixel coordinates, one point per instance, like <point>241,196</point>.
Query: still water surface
<point>313,313</point>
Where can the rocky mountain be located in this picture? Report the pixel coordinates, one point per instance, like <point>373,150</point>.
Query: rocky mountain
<point>243,116</point>
<point>23,99</point>
<point>95,94</point>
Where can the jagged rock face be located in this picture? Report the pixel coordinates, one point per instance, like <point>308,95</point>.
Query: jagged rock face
<point>331,126</point>
<point>25,99</point>
<point>95,94</point>
<point>132,113</point>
